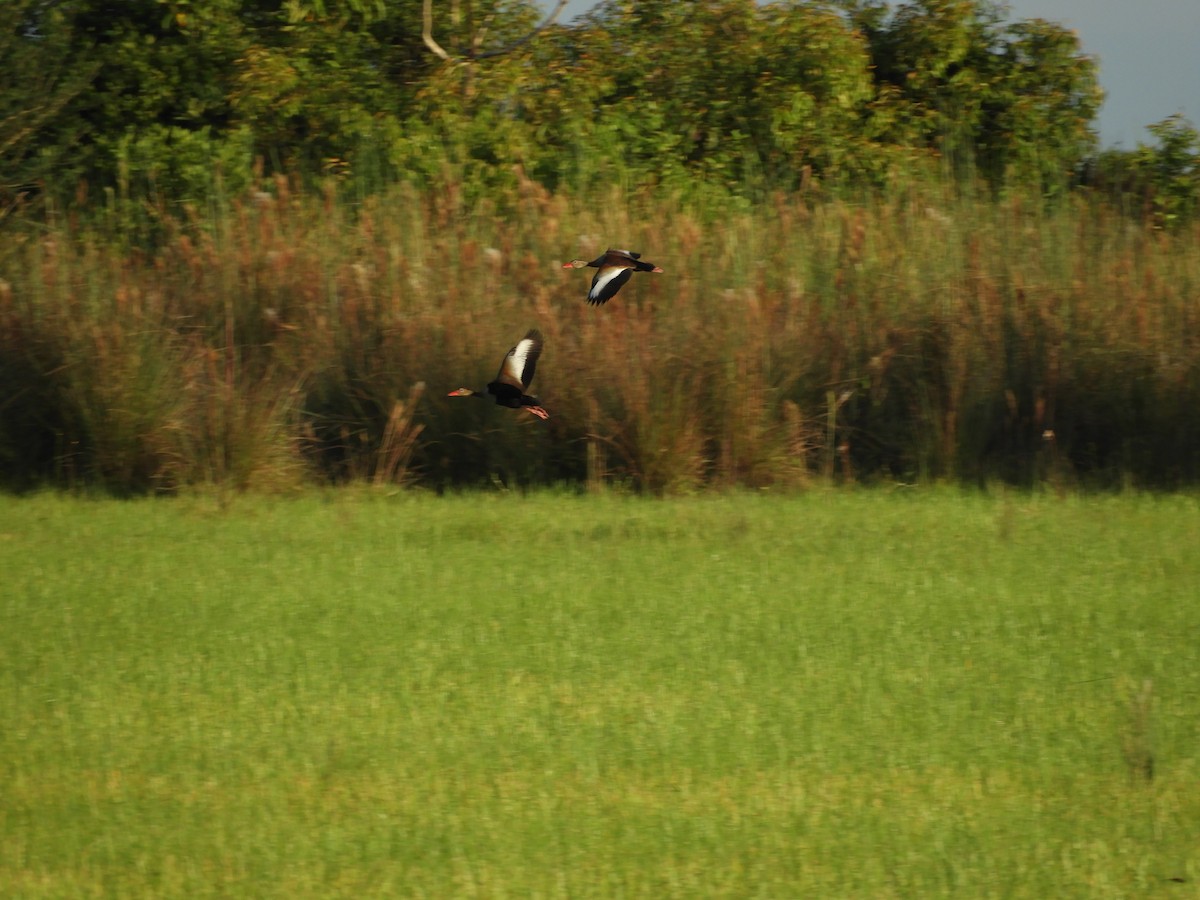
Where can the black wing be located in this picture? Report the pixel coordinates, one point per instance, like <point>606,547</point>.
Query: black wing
<point>520,363</point>
<point>606,283</point>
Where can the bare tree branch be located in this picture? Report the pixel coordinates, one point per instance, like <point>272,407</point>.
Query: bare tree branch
<point>427,33</point>
<point>433,45</point>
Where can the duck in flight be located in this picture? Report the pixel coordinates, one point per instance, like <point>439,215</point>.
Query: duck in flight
<point>614,269</point>
<point>512,381</point>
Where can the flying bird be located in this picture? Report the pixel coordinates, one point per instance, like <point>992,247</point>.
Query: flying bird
<point>615,267</point>
<point>512,381</point>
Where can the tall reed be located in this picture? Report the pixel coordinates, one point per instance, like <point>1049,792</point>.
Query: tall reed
<point>921,334</point>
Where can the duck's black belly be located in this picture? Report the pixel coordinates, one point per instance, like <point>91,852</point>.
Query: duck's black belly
<point>505,394</point>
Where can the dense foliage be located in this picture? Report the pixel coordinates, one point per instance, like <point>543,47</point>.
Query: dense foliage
<point>153,96</point>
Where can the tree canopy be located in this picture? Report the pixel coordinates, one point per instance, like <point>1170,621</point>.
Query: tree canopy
<point>161,96</point>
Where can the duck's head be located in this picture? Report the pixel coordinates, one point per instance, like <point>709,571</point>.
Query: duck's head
<point>575,264</point>
<point>462,392</point>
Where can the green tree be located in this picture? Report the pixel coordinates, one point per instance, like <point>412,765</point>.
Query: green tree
<point>813,95</point>
<point>1170,171</point>
<point>322,86</point>
<point>731,93</point>
<point>1044,99</point>
<point>727,90</point>
<point>1014,102</point>
<point>157,113</point>
<point>1159,182</point>
<point>40,78</point>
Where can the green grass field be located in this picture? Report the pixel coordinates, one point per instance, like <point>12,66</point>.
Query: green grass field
<point>839,694</point>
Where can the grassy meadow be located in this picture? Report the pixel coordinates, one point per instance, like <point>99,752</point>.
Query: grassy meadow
<point>367,693</point>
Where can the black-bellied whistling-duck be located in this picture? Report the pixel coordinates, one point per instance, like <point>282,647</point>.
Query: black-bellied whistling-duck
<point>615,267</point>
<point>514,376</point>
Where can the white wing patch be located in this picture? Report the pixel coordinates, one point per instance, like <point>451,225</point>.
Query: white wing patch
<point>603,279</point>
<point>521,361</point>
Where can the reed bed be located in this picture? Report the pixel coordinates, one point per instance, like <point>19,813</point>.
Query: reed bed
<point>291,336</point>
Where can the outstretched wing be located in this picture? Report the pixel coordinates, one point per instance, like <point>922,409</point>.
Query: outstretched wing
<point>606,283</point>
<point>521,361</point>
